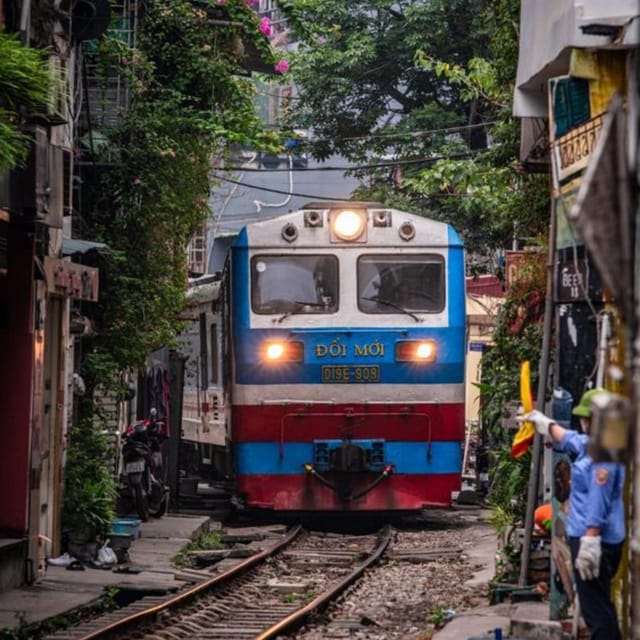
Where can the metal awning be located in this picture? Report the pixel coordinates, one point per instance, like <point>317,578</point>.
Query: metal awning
<point>71,246</point>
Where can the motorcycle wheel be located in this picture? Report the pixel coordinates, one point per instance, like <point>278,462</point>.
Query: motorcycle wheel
<point>141,502</point>
<point>162,507</point>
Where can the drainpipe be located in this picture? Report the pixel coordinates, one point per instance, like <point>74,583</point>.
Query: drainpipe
<point>25,21</point>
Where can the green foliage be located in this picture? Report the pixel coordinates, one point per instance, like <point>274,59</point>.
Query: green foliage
<point>90,487</point>
<point>188,103</point>
<point>430,81</point>
<point>517,337</point>
<point>24,86</point>
<point>487,196</point>
<point>208,540</point>
<point>360,88</point>
<point>437,617</point>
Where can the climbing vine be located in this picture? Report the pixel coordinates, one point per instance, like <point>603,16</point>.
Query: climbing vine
<point>190,98</point>
<point>517,337</point>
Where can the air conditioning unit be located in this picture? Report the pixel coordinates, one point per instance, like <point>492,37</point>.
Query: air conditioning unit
<point>36,190</point>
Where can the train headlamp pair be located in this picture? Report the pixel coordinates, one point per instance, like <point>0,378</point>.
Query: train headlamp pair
<point>417,351</point>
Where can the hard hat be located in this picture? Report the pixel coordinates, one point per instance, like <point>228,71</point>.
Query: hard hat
<point>583,408</point>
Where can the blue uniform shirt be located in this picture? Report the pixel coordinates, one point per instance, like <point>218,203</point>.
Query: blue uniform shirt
<point>595,499</point>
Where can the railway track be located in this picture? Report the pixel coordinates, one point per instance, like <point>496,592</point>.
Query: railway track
<point>267,595</point>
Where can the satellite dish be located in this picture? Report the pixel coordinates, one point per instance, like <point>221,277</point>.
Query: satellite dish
<point>89,19</point>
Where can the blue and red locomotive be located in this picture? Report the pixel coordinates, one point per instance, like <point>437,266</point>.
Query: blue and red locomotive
<point>345,353</point>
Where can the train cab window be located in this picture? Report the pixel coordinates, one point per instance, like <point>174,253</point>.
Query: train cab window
<point>401,283</point>
<point>294,284</point>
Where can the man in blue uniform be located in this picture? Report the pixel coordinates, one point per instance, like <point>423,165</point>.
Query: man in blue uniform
<point>596,524</point>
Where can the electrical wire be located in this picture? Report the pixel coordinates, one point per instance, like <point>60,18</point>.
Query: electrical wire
<point>268,189</point>
<point>315,197</point>
<point>417,134</point>
<point>359,167</point>
<point>259,204</point>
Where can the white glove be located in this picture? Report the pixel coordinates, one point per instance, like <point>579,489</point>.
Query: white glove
<point>588,560</point>
<point>538,418</point>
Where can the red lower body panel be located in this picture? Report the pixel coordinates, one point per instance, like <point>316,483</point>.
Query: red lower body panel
<point>312,421</point>
<point>307,493</point>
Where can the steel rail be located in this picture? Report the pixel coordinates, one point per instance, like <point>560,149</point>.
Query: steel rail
<point>296,618</point>
<point>197,590</point>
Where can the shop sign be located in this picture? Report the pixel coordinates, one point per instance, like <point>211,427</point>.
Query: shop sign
<point>571,281</point>
<point>517,262</point>
<point>571,151</point>
<point>71,279</point>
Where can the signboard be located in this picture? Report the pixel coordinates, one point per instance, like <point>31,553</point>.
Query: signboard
<point>571,283</point>
<point>71,279</point>
<point>517,261</point>
<point>570,152</point>
<point>477,346</point>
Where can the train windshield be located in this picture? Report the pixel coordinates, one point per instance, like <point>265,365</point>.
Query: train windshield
<point>401,283</point>
<point>294,284</point>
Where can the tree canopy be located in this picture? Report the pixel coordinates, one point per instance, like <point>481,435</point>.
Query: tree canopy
<point>360,88</point>
<point>427,85</point>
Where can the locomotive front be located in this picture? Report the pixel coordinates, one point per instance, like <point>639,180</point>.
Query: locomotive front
<point>347,350</point>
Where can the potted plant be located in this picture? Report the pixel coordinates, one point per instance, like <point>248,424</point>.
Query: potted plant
<point>90,489</point>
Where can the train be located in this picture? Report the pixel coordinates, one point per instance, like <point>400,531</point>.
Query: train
<point>329,362</point>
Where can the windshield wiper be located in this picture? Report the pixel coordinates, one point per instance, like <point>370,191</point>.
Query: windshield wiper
<point>391,304</point>
<point>298,308</point>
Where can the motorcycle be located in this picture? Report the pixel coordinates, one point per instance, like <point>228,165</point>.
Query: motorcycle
<point>142,486</point>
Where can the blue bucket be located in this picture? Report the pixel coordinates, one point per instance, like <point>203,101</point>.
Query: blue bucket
<point>129,526</point>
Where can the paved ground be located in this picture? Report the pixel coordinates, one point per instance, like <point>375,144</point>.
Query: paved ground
<point>526,620</point>
<point>61,590</point>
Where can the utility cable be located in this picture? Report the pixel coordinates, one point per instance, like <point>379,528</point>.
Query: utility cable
<point>270,190</point>
<point>259,204</point>
<point>359,167</point>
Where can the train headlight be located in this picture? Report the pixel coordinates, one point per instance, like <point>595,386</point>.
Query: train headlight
<point>348,225</point>
<point>282,351</point>
<point>274,351</point>
<point>416,351</point>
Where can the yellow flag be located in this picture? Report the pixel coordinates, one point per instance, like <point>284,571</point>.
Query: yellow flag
<point>527,430</point>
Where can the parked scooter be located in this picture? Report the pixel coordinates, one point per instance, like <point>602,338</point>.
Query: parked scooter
<point>142,486</point>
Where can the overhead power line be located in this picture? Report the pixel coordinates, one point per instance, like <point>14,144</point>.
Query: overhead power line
<point>416,134</point>
<point>260,188</point>
<point>357,167</point>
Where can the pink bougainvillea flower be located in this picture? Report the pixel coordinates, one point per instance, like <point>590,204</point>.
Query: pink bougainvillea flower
<point>252,2</point>
<point>322,40</point>
<point>220,1</point>
<point>282,66</point>
<point>265,26</point>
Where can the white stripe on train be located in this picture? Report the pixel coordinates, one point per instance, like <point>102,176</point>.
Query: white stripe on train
<point>374,393</point>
